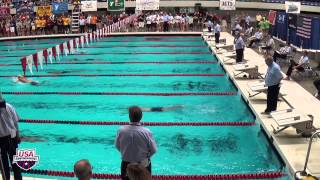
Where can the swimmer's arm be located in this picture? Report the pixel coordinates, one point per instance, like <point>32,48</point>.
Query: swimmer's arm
<point>145,109</point>
<point>171,108</point>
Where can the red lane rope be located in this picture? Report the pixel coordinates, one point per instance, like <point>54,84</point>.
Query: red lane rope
<point>126,93</point>
<point>121,75</point>
<point>110,123</point>
<point>87,54</point>
<point>155,40</point>
<point>154,46</point>
<point>129,62</point>
<point>268,175</point>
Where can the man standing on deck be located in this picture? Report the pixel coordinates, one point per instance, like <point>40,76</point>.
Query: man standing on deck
<point>217,30</point>
<point>239,46</point>
<point>272,81</point>
<point>9,138</point>
<point>135,143</point>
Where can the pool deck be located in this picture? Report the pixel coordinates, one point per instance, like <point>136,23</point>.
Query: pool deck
<point>292,147</point>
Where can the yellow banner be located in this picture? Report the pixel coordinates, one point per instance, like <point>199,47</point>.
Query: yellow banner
<point>44,11</point>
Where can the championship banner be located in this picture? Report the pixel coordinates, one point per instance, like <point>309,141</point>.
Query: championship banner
<point>116,5</point>
<point>25,8</point>
<point>4,11</point>
<point>293,7</point>
<point>227,4</point>
<point>59,8</point>
<point>272,17</point>
<point>87,6</point>
<point>44,11</point>
<point>147,5</point>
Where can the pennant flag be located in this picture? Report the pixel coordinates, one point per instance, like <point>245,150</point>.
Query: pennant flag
<point>272,17</point>
<point>54,53</point>
<point>24,65</point>
<point>45,55</point>
<point>40,59</point>
<point>29,62</point>
<point>35,60</point>
<point>65,48</point>
<point>304,27</point>
<point>61,49</point>
<point>71,49</point>
<point>49,50</point>
<point>57,47</point>
<point>82,41</point>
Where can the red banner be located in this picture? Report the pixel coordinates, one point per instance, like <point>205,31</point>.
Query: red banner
<point>272,17</point>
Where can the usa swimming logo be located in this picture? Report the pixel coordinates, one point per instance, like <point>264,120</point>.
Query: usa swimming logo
<point>26,158</point>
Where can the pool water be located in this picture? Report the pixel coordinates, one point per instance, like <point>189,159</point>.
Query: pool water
<point>182,150</point>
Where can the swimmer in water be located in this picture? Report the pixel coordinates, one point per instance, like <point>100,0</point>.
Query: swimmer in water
<point>162,109</point>
<point>31,139</point>
<point>23,79</point>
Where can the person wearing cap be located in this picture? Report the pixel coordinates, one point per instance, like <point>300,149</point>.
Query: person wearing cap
<point>135,143</point>
<point>9,138</point>
<point>23,79</point>
<point>83,169</point>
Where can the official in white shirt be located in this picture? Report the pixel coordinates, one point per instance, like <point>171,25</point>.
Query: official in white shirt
<point>217,30</point>
<point>256,38</point>
<point>9,138</point>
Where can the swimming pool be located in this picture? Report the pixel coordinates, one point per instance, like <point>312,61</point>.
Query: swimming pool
<point>100,82</point>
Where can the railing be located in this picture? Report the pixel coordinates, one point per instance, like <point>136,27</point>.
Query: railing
<point>304,171</point>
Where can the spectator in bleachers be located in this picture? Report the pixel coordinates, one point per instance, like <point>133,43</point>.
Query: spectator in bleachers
<point>209,25</point>
<point>283,52</point>
<point>256,38</point>
<point>303,63</point>
<point>138,172</point>
<point>258,19</point>
<point>83,169</point>
<point>141,149</point>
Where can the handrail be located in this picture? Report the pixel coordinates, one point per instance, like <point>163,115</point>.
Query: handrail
<point>309,149</point>
<point>2,168</point>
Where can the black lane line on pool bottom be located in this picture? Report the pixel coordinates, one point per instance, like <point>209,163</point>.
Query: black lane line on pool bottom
<point>126,93</point>
<point>121,75</point>
<point>111,123</point>
<point>126,62</point>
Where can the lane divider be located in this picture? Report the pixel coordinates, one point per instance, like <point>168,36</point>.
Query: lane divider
<point>153,40</point>
<point>86,54</point>
<point>128,62</point>
<point>111,123</point>
<point>121,46</point>
<point>122,75</point>
<point>153,46</point>
<point>126,93</point>
<point>93,54</point>
<point>268,175</point>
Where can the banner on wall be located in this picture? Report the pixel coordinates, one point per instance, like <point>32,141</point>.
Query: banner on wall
<point>44,11</point>
<point>292,21</point>
<point>147,5</point>
<point>87,6</point>
<point>25,8</point>
<point>227,4</point>
<point>272,17</point>
<point>293,7</point>
<point>4,11</point>
<point>116,5</point>
<point>59,8</point>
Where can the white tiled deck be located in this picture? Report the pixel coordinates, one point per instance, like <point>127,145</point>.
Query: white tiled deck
<point>291,147</point>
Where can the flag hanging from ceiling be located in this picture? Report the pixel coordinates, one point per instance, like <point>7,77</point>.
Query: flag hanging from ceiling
<point>304,27</point>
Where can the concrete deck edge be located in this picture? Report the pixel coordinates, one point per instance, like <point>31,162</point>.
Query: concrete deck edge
<point>291,169</point>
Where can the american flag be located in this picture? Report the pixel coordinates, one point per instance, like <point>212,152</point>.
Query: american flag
<point>304,27</point>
